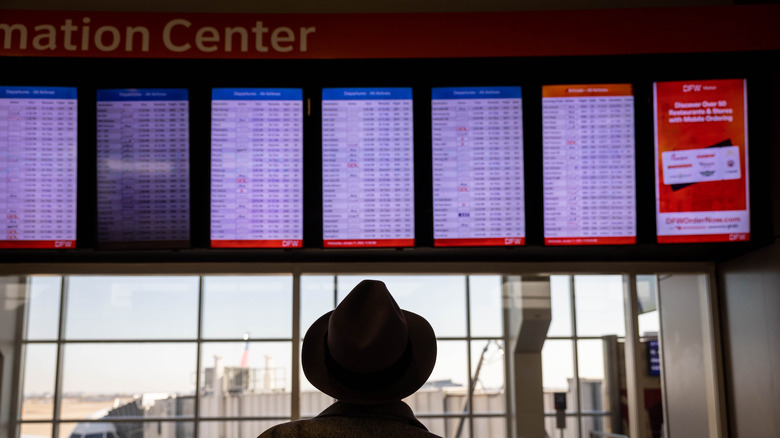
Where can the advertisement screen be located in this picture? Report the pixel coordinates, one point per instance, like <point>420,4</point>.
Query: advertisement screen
<point>256,168</point>
<point>588,164</point>
<point>478,182</point>
<point>38,154</point>
<point>367,167</point>
<point>701,157</point>
<point>143,168</point>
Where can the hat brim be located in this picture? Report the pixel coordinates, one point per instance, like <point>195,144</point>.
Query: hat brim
<point>422,344</point>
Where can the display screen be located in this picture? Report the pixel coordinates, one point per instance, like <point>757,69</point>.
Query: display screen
<point>701,156</point>
<point>256,168</point>
<point>143,167</point>
<point>38,153</point>
<point>478,183</point>
<point>653,357</point>
<point>588,164</point>
<point>367,167</point>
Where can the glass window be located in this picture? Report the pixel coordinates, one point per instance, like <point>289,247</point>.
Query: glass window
<point>260,306</point>
<point>558,372</point>
<point>40,361</point>
<point>36,430</point>
<point>132,307</point>
<point>486,310</point>
<point>494,427</point>
<point>250,379</point>
<point>598,311</point>
<point>317,298</point>
<point>560,302</point>
<point>142,347</point>
<point>121,370</point>
<point>590,359</point>
<point>569,429</point>
<point>446,391</point>
<point>441,299</point>
<point>459,426</point>
<point>433,424</point>
<point>487,371</point>
<point>599,303</point>
<point>451,369</point>
<point>95,429</point>
<point>647,303</point>
<point>43,311</point>
<point>593,423</point>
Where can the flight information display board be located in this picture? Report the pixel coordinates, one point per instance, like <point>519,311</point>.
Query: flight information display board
<point>589,164</point>
<point>256,168</point>
<point>143,168</point>
<point>701,158</point>
<point>367,167</point>
<point>38,154</point>
<point>478,182</point>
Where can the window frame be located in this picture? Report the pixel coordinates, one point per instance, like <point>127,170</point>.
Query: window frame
<point>629,269</point>
<point>62,342</point>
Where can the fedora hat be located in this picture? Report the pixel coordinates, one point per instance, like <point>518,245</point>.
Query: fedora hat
<point>368,350</point>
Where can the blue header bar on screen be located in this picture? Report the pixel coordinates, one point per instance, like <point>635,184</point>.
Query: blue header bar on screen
<point>142,94</point>
<point>366,93</point>
<point>38,92</point>
<point>256,94</point>
<point>477,93</point>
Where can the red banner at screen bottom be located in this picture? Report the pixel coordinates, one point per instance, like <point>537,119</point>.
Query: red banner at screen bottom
<point>583,241</point>
<point>705,238</point>
<point>484,241</point>
<point>38,244</point>
<point>368,243</point>
<point>284,243</point>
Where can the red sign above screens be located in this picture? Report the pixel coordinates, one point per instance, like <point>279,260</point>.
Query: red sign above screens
<point>701,161</point>
<point>398,35</point>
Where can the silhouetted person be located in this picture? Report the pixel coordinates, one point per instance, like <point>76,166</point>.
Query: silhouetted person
<point>368,354</point>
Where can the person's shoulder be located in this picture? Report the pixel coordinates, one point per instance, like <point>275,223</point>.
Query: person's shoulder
<point>284,430</point>
<point>346,427</point>
<point>313,427</point>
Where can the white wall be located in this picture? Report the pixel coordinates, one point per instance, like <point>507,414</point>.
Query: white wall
<point>750,298</point>
<point>687,356</point>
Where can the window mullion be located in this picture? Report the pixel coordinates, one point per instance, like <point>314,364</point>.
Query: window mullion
<point>467,407</point>
<point>335,290</point>
<point>633,359</point>
<point>472,384</point>
<point>578,412</point>
<point>59,364</point>
<point>20,353</point>
<point>295,389</point>
<point>198,359</point>
<point>509,378</point>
